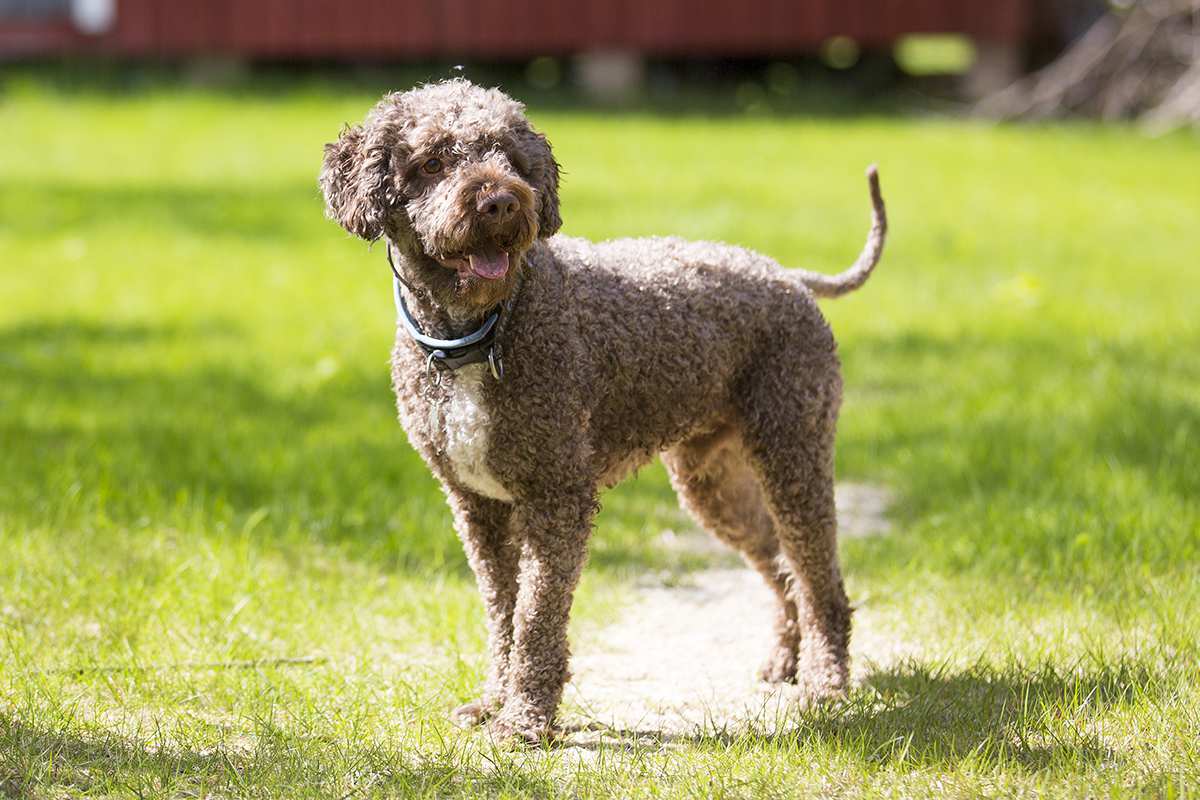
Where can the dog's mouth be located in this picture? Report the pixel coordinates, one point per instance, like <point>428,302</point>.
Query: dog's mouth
<point>488,264</point>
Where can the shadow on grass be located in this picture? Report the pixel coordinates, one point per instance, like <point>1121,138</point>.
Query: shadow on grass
<point>186,432</point>
<point>83,441</point>
<point>217,213</point>
<point>1036,437</point>
<point>1034,401</point>
<point>116,424</point>
<point>37,758</point>
<point>911,716</point>
<point>104,427</point>
<point>917,716</point>
<point>1034,717</point>
<point>89,759</point>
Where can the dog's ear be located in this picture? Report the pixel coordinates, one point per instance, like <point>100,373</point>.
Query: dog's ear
<point>354,180</point>
<point>549,218</point>
<point>545,182</point>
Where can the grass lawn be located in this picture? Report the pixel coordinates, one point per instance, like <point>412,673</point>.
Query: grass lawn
<point>200,464</point>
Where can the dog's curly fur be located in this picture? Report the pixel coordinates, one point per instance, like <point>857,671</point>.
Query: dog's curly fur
<point>705,353</point>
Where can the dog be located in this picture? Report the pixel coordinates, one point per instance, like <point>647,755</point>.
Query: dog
<point>533,370</point>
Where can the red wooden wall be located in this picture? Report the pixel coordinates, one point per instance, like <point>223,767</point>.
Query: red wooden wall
<point>349,29</point>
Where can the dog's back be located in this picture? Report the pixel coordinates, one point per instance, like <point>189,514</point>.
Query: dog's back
<point>671,328</point>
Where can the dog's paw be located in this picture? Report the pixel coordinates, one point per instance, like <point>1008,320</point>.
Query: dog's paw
<point>523,729</point>
<point>816,692</point>
<point>472,714</point>
<point>821,676</point>
<point>780,666</point>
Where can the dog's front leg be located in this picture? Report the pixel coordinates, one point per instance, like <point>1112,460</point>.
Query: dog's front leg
<point>554,536</point>
<point>483,527</point>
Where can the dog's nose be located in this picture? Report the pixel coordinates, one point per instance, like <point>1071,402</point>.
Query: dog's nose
<point>498,206</point>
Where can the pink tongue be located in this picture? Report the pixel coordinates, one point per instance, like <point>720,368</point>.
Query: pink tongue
<point>489,265</point>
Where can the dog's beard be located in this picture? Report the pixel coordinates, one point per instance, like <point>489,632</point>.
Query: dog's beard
<point>454,286</point>
<point>481,291</point>
<point>486,265</point>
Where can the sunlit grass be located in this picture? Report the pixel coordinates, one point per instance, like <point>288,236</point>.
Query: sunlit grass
<point>199,461</point>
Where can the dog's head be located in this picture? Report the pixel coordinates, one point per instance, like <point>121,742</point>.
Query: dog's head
<point>456,177</point>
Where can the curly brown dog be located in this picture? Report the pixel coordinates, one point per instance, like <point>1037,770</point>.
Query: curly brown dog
<point>586,361</point>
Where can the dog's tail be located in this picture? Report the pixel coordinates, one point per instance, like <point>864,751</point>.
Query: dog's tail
<point>838,285</point>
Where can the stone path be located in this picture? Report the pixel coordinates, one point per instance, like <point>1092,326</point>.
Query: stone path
<point>682,657</point>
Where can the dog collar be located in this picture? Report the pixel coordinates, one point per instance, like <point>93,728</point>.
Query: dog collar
<point>477,347</point>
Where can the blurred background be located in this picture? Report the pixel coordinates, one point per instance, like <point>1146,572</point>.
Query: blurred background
<point>1122,58</point>
<point>609,50</point>
<point>200,462</point>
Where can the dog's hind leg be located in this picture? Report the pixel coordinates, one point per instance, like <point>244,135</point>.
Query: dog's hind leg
<point>716,485</point>
<point>790,414</point>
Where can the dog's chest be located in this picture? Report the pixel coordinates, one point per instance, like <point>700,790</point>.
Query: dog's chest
<point>465,422</point>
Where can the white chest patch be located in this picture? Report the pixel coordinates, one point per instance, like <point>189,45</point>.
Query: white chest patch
<point>467,423</point>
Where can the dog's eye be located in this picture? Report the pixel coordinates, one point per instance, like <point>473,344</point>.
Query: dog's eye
<point>432,167</point>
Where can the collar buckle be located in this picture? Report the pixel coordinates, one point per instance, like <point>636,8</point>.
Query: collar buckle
<point>495,364</point>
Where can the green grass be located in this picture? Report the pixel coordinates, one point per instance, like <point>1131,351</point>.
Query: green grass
<point>199,460</point>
